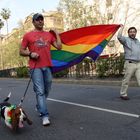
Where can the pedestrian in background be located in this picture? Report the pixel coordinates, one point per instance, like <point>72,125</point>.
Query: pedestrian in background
<point>131,47</point>
<point>36,44</point>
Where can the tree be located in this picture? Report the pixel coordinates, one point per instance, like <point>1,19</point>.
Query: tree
<point>82,12</point>
<point>5,13</point>
<point>76,13</point>
<point>1,25</point>
<point>1,48</point>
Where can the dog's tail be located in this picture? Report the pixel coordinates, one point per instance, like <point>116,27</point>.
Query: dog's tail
<point>7,98</point>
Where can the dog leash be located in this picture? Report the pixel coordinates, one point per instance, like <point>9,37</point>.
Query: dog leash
<point>22,99</point>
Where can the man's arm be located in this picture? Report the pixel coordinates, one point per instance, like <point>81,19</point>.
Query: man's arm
<point>25,52</point>
<point>121,30</point>
<point>120,37</point>
<point>57,44</point>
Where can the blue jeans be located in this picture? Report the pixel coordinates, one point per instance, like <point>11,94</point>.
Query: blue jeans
<point>42,81</point>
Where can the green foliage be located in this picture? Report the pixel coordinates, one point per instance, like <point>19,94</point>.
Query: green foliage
<point>83,68</point>
<point>79,70</point>
<point>11,57</point>
<point>110,67</point>
<point>120,64</point>
<point>1,24</point>
<point>5,13</point>
<point>77,14</point>
<point>87,63</point>
<point>102,67</point>
<point>22,72</point>
<point>61,74</point>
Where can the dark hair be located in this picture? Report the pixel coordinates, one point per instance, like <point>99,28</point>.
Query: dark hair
<point>36,16</point>
<point>132,28</point>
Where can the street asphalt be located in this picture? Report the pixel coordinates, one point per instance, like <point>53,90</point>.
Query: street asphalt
<point>79,110</point>
<point>96,81</point>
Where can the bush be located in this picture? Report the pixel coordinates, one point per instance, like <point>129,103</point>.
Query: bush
<point>110,67</point>
<point>102,67</point>
<point>22,72</point>
<point>61,74</point>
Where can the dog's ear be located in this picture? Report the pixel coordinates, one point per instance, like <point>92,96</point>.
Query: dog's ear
<point>27,119</point>
<point>14,120</point>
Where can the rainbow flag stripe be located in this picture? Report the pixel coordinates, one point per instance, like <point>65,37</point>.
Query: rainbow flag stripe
<point>80,43</point>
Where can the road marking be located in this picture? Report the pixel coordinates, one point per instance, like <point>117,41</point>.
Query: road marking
<point>96,108</point>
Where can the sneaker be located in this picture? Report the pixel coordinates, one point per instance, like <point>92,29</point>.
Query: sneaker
<point>45,121</point>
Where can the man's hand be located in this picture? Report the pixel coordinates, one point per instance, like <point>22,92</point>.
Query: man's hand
<point>34,55</point>
<point>121,25</point>
<point>121,30</point>
<point>57,44</point>
<point>53,32</point>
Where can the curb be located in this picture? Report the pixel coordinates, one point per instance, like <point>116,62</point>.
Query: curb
<point>105,82</point>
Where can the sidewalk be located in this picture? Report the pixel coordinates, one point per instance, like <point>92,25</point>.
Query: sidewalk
<point>95,81</point>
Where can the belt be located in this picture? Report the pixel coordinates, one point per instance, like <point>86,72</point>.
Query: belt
<point>131,61</point>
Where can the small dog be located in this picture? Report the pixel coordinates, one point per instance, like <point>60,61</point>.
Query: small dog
<point>13,115</point>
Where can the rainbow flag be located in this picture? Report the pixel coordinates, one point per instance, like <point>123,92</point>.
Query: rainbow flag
<point>80,43</point>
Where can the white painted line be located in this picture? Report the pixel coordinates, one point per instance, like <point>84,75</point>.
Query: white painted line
<point>96,108</point>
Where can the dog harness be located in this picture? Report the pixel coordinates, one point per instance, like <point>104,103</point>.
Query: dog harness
<point>6,113</point>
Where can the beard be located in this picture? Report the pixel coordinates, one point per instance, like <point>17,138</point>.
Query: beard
<point>132,36</point>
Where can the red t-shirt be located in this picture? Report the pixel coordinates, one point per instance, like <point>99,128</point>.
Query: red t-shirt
<point>39,42</point>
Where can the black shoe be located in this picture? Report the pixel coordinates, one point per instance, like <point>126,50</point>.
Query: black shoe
<point>124,98</point>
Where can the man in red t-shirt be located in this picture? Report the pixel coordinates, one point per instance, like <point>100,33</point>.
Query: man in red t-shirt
<point>37,44</point>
